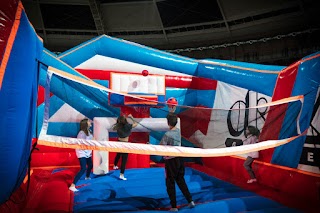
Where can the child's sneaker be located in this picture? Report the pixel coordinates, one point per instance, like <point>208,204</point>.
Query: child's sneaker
<point>122,177</point>
<point>192,204</point>
<point>115,167</point>
<point>252,180</point>
<point>87,178</point>
<point>73,188</point>
<point>173,210</point>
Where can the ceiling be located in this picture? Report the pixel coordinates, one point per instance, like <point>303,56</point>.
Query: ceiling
<point>167,24</point>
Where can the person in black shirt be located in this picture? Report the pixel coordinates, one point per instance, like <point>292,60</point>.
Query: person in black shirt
<point>123,128</point>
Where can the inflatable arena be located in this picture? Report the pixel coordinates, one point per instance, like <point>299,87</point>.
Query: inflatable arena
<point>45,96</point>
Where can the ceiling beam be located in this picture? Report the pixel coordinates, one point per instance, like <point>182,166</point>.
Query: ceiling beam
<point>42,24</point>
<point>223,15</point>
<point>161,23</point>
<point>96,14</point>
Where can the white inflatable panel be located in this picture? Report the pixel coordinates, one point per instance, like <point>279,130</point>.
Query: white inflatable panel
<point>101,158</point>
<point>102,127</point>
<point>133,83</point>
<point>99,62</point>
<point>67,114</point>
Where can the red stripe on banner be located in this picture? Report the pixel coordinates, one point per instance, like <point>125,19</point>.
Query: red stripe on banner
<point>193,120</point>
<point>171,81</point>
<point>283,89</point>
<point>191,82</point>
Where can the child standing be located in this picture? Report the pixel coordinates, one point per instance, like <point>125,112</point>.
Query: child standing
<point>84,156</point>
<point>174,166</point>
<point>252,135</point>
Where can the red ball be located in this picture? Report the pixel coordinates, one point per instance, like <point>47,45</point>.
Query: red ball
<point>172,102</point>
<point>145,72</point>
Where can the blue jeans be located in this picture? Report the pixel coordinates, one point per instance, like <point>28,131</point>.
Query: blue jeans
<point>85,164</point>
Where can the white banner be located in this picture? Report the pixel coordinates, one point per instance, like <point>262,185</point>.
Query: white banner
<point>231,123</point>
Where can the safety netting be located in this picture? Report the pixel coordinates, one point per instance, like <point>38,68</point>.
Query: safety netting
<point>205,132</point>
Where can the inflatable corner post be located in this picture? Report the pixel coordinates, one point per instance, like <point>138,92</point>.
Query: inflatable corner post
<point>20,51</point>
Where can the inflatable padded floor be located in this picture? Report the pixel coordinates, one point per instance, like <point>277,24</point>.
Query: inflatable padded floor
<point>145,190</point>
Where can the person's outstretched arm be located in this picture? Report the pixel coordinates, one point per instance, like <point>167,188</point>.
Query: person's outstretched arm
<point>134,122</point>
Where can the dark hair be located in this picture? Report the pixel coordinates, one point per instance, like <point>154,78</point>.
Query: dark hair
<point>121,121</point>
<point>172,119</point>
<point>84,126</point>
<point>253,131</point>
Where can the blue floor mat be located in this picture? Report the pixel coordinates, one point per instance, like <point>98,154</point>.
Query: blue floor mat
<point>145,190</point>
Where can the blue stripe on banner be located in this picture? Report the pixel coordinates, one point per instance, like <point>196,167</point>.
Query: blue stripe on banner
<point>187,97</point>
<point>17,109</point>
<point>206,98</point>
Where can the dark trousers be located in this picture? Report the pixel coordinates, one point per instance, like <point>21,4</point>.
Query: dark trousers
<point>124,158</point>
<point>175,174</point>
<point>248,166</point>
<point>85,164</point>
